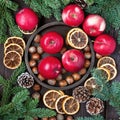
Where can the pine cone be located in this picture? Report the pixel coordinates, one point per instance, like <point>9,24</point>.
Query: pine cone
<point>25,80</point>
<point>94,106</point>
<point>81,3</point>
<point>81,94</point>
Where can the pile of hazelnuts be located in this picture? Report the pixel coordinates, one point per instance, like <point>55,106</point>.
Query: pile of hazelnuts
<point>65,78</point>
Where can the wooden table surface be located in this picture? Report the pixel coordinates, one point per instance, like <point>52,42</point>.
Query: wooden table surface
<point>109,112</point>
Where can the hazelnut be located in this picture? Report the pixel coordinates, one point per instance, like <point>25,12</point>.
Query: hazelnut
<point>32,49</point>
<point>36,118</point>
<point>98,56</point>
<point>62,83</point>
<point>35,56</point>
<point>82,71</point>
<point>32,63</point>
<point>60,117</point>
<point>36,95</point>
<point>63,50</point>
<point>87,64</point>
<point>69,118</point>
<point>87,55</point>
<point>76,76</point>
<point>36,87</point>
<point>52,118</point>
<point>63,71</point>
<point>41,77</point>
<point>59,77</point>
<point>35,70</point>
<point>51,81</point>
<point>69,79</point>
<point>37,38</point>
<point>87,49</point>
<point>39,50</point>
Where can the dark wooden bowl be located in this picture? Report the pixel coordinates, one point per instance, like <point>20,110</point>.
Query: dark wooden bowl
<point>62,29</point>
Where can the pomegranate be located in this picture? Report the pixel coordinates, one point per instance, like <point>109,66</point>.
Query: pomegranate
<point>49,67</point>
<point>104,44</point>
<point>72,15</point>
<point>26,19</point>
<point>73,60</point>
<point>51,42</point>
<point>94,25</point>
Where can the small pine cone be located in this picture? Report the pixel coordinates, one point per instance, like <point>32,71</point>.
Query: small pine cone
<point>94,106</point>
<point>81,3</point>
<point>81,94</point>
<point>25,80</point>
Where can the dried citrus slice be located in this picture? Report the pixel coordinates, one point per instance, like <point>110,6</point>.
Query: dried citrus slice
<point>14,47</point>
<point>12,60</point>
<point>58,104</point>
<point>17,40</point>
<point>90,84</point>
<point>50,98</point>
<point>112,69</point>
<point>77,38</point>
<point>70,105</point>
<point>106,72</point>
<point>28,32</point>
<point>106,59</point>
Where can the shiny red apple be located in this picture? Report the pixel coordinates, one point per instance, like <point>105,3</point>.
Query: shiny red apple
<point>104,44</point>
<point>51,42</point>
<point>94,25</point>
<point>72,15</point>
<point>73,60</point>
<point>49,67</point>
<point>26,19</point>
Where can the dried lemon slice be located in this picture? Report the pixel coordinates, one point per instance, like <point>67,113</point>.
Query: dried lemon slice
<point>14,47</point>
<point>58,104</point>
<point>112,69</point>
<point>12,60</point>
<point>70,105</point>
<point>77,38</point>
<point>104,60</point>
<point>91,84</point>
<point>50,98</point>
<point>16,40</point>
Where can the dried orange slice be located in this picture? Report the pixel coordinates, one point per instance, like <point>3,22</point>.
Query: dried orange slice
<point>58,104</point>
<point>14,47</point>
<point>12,60</point>
<point>112,69</point>
<point>90,84</point>
<point>16,40</point>
<point>28,32</point>
<point>70,105</point>
<point>106,72</point>
<point>50,98</point>
<point>104,60</point>
<point>77,38</point>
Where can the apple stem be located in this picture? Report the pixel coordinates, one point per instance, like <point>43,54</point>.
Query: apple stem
<point>52,42</point>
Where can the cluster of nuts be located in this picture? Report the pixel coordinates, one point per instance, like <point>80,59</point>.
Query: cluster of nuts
<point>63,79</point>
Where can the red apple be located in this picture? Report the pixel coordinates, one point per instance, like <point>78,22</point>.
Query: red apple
<point>49,67</point>
<point>72,15</point>
<point>26,19</point>
<point>73,60</point>
<point>51,42</point>
<point>104,44</point>
<point>94,25</point>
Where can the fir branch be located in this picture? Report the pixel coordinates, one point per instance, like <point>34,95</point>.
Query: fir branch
<point>99,117</point>
<point>2,81</point>
<point>48,8</point>
<point>108,10</point>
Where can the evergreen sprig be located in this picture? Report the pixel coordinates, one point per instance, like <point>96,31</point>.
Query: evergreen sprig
<point>99,117</point>
<point>7,22</point>
<point>110,11</point>
<point>109,92</point>
<point>48,8</point>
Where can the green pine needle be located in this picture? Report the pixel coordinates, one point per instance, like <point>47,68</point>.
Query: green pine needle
<point>109,10</point>
<point>99,117</point>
